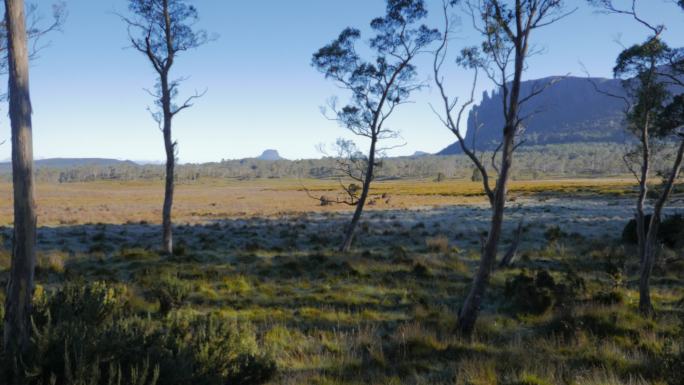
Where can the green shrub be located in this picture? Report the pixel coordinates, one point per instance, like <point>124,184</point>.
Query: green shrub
<point>85,334</point>
<point>671,231</point>
<point>537,294</point>
<point>171,292</point>
<point>612,297</point>
<point>530,295</point>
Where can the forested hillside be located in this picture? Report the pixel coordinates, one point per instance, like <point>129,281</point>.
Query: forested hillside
<point>534,162</point>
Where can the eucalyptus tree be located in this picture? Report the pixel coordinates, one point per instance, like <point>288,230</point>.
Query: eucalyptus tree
<point>378,84</point>
<point>20,285</point>
<point>506,27</point>
<point>15,53</point>
<point>162,30</point>
<point>651,74</point>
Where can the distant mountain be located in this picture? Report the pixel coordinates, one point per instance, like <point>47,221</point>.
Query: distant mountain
<point>568,111</point>
<point>64,163</point>
<point>420,154</point>
<point>270,155</point>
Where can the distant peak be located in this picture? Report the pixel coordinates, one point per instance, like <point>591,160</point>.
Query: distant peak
<point>419,154</point>
<point>270,155</point>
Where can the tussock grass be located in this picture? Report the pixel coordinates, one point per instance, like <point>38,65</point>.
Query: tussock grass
<point>386,312</point>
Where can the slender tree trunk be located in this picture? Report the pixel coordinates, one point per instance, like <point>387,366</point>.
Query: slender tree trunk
<point>349,235</point>
<point>20,285</point>
<point>643,192</point>
<point>647,261</point>
<point>651,244</point>
<point>471,306</point>
<point>170,148</point>
<point>513,249</point>
<point>167,224</point>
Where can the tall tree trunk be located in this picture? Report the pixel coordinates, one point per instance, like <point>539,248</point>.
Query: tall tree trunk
<point>651,239</point>
<point>471,306</point>
<point>349,235</point>
<point>20,285</point>
<point>643,192</point>
<point>170,149</point>
<point>167,224</point>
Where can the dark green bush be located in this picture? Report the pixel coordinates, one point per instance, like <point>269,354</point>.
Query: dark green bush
<point>530,295</point>
<point>671,231</point>
<point>613,297</point>
<point>171,292</point>
<point>537,294</point>
<point>86,334</point>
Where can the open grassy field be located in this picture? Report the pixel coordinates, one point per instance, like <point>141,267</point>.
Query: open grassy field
<point>261,255</point>
<point>121,202</point>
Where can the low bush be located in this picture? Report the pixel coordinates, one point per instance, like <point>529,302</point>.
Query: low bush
<point>85,334</point>
<point>536,294</point>
<point>530,295</point>
<point>671,231</point>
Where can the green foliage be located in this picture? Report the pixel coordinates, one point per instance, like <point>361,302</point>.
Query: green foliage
<point>85,334</point>
<point>670,232</point>
<point>171,292</point>
<point>537,294</point>
<point>530,295</point>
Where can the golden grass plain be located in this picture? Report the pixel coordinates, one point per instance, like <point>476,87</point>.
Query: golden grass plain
<point>118,202</point>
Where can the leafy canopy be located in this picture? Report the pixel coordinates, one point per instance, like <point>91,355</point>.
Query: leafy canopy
<point>379,84</point>
<point>160,39</point>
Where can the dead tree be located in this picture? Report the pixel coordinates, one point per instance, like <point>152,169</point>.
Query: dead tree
<point>162,30</point>
<point>650,71</point>
<point>20,286</point>
<point>378,86</point>
<point>506,27</point>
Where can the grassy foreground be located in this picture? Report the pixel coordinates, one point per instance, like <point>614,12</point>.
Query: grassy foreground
<point>253,300</point>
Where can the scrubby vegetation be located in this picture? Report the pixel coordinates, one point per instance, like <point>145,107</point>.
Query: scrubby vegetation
<point>533,162</point>
<point>273,303</point>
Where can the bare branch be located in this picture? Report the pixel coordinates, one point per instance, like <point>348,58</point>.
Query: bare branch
<point>188,102</point>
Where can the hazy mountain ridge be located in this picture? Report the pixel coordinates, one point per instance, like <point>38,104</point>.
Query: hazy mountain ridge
<point>569,110</point>
<point>65,163</point>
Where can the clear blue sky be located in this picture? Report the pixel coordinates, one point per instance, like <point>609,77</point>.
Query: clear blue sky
<point>262,93</point>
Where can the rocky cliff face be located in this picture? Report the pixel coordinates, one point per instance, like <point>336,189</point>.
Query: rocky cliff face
<point>569,111</point>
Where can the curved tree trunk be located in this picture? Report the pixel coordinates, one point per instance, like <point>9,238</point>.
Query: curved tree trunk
<point>351,228</point>
<point>651,239</point>
<point>20,286</point>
